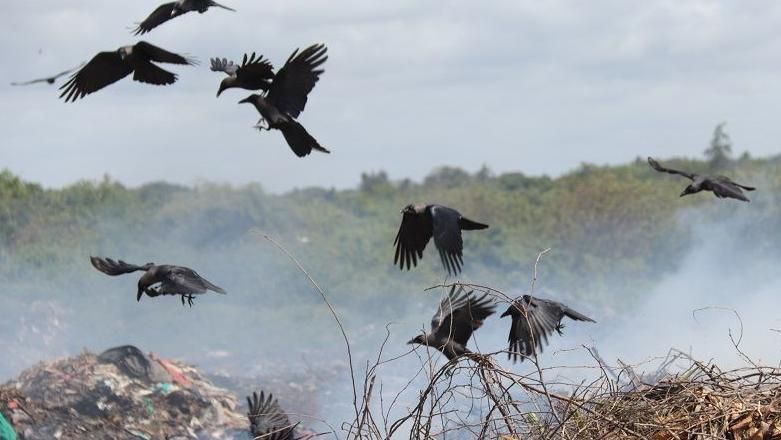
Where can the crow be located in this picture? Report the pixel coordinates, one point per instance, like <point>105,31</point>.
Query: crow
<point>419,223</point>
<point>49,80</point>
<point>459,315</point>
<point>254,73</point>
<point>267,420</point>
<point>106,68</point>
<point>167,11</point>
<point>721,186</point>
<point>174,280</point>
<point>533,320</point>
<point>287,96</point>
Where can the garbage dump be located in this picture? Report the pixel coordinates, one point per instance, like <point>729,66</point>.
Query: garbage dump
<point>122,393</point>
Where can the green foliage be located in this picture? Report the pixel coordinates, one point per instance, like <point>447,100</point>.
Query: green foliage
<point>614,231</point>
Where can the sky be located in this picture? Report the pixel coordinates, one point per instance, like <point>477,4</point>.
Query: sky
<point>536,87</point>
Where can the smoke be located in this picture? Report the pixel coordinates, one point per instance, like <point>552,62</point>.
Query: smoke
<point>273,324</point>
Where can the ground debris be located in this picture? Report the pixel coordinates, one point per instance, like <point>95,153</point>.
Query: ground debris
<point>120,394</point>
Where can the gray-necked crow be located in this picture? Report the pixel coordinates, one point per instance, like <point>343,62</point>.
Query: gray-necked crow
<point>721,186</point>
<point>173,280</point>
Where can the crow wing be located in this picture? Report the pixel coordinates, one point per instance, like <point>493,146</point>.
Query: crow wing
<point>254,68</point>
<point>533,321</point>
<point>159,16</point>
<point>294,81</point>
<point>154,53</point>
<point>414,234</point>
<point>223,65</point>
<point>460,314</point>
<point>113,268</point>
<point>658,167</point>
<point>447,237</point>
<point>183,280</point>
<point>48,80</point>
<point>103,69</point>
<point>266,418</point>
<point>149,73</point>
<point>723,187</point>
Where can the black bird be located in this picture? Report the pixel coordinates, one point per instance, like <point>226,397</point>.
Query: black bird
<point>254,73</point>
<point>459,315</point>
<point>420,222</point>
<point>167,11</point>
<point>267,420</point>
<point>173,280</point>
<point>49,80</point>
<point>533,320</point>
<point>106,68</point>
<point>721,186</point>
<point>287,97</point>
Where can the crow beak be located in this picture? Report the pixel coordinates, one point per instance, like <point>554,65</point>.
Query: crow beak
<point>247,99</point>
<point>138,295</point>
<point>506,313</point>
<point>410,342</point>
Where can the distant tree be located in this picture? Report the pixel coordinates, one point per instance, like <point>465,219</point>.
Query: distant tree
<point>720,149</point>
<point>447,177</point>
<point>483,174</point>
<point>375,182</point>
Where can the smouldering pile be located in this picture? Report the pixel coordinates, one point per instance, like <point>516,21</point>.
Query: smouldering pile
<point>121,394</point>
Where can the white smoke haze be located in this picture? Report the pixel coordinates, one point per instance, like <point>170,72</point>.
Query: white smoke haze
<point>285,329</point>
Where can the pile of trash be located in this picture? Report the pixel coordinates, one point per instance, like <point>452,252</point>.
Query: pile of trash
<point>122,393</point>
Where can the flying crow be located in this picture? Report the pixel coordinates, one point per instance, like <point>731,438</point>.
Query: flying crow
<point>287,96</point>
<point>167,11</point>
<point>420,222</point>
<point>459,315</point>
<point>533,320</point>
<point>107,68</point>
<point>49,80</point>
<point>174,280</point>
<point>267,420</point>
<point>254,73</point>
<point>721,186</point>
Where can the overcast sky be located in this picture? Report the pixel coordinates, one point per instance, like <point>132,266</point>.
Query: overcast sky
<point>530,86</point>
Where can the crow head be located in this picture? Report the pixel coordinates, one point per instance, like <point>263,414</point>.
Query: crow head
<point>419,339</point>
<point>691,189</point>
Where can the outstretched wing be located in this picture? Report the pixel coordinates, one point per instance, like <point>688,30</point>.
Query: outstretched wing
<point>102,70</point>
<point>658,167</point>
<point>179,279</point>
<point>294,81</point>
<point>414,233</point>
<point>255,68</point>
<point>723,187</point>
<point>113,268</point>
<point>460,314</point>
<point>447,237</point>
<point>154,53</point>
<point>159,16</point>
<point>266,419</point>
<point>533,321</point>
<point>223,65</point>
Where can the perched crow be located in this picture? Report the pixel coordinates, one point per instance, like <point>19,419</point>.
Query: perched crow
<point>267,420</point>
<point>420,222</point>
<point>722,187</point>
<point>167,11</point>
<point>287,97</point>
<point>49,80</point>
<point>174,280</point>
<point>533,320</point>
<point>107,68</point>
<point>459,315</point>
<point>254,73</point>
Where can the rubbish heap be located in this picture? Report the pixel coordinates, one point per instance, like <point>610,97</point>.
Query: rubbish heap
<point>122,393</point>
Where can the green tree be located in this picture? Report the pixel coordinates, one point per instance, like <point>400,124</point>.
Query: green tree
<point>720,149</point>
